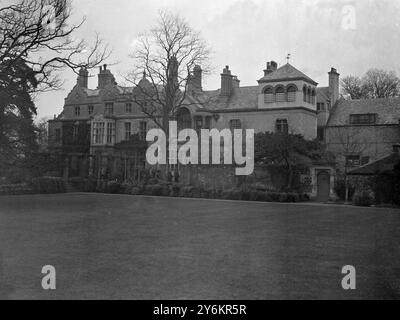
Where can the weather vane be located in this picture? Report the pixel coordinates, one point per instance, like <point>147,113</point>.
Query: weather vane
<point>288,57</point>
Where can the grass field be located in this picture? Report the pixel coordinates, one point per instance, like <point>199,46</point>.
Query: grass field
<point>127,247</point>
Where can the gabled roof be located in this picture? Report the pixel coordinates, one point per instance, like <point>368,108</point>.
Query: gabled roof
<point>286,73</point>
<point>387,110</point>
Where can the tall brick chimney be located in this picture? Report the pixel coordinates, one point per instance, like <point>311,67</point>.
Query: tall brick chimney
<point>226,82</point>
<point>271,67</point>
<point>83,78</point>
<point>334,86</point>
<point>105,77</point>
<point>195,80</point>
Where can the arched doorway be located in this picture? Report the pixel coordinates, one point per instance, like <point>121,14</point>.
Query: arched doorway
<point>323,186</point>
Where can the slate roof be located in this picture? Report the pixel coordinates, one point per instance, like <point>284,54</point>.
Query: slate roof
<point>387,110</point>
<point>323,93</point>
<point>384,164</point>
<point>286,73</point>
<point>241,98</point>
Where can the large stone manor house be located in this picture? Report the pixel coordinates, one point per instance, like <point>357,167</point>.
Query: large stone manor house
<point>102,121</point>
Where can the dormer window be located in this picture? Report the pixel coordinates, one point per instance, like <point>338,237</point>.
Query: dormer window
<point>363,119</point>
<point>77,111</point>
<point>128,108</point>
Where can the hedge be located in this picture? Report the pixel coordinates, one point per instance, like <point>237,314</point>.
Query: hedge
<point>15,189</point>
<point>47,185</point>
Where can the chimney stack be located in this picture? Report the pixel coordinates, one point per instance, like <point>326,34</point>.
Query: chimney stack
<point>195,80</point>
<point>105,78</point>
<point>226,82</point>
<point>83,78</point>
<point>235,82</point>
<point>333,86</point>
<point>271,67</point>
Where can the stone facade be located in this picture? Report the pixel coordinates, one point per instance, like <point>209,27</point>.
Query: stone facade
<point>97,121</point>
<point>361,131</point>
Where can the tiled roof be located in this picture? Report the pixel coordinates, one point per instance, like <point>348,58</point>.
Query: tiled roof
<point>387,110</point>
<point>384,164</point>
<point>241,98</point>
<point>96,92</point>
<point>323,93</point>
<point>286,72</point>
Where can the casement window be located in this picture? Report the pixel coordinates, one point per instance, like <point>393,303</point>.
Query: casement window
<point>128,130</point>
<point>353,161</point>
<point>291,93</point>
<point>142,130</point>
<point>362,119</point>
<point>90,109</point>
<point>128,108</point>
<point>282,126</point>
<point>109,108</point>
<point>77,111</point>
<point>98,132</point>
<point>235,124</point>
<point>110,133</point>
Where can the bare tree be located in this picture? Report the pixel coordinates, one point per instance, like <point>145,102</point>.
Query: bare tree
<point>344,142</point>
<point>373,85</point>
<point>36,42</point>
<point>164,60</point>
<point>37,34</point>
<point>352,86</point>
<point>381,84</point>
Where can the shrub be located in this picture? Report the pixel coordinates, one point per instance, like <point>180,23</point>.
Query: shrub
<point>293,197</point>
<point>246,195</point>
<point>157,190</point>
<point>283,197</point>
<point>135,191</point>
<point>363,199</point>
<point>46,185</point>
<point>236,195</point>
<point>340,189</point>
<point>15,189</point>
<point>226,194</point>
<point>165,190</point>
<point>174,190</point>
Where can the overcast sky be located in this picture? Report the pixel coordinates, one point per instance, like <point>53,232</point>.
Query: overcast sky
<point>351,36</point>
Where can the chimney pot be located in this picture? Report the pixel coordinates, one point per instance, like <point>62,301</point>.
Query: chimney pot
<point>105,67</point>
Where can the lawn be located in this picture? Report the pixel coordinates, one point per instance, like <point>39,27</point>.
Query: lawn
<point>128,247</point>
